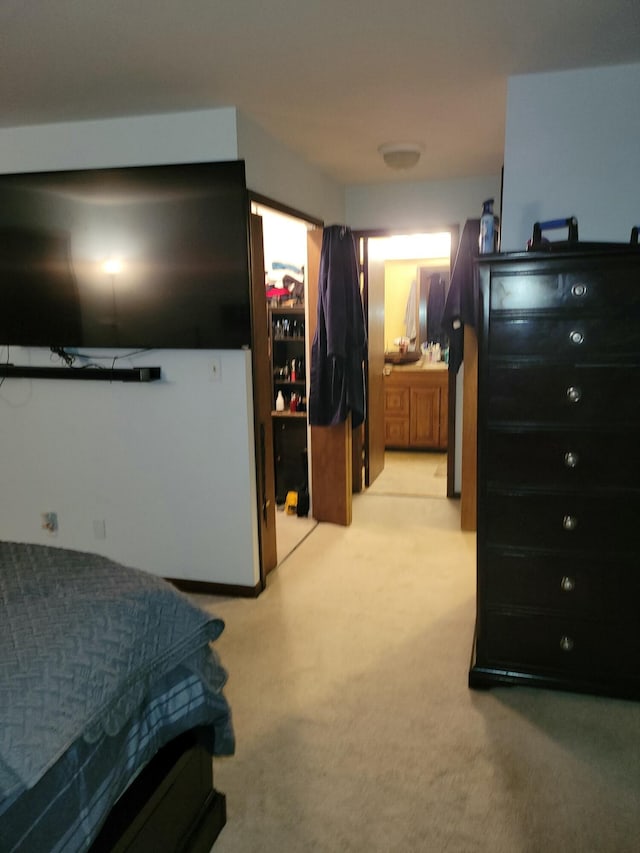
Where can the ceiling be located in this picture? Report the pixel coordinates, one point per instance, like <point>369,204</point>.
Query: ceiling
<point>332,80</point>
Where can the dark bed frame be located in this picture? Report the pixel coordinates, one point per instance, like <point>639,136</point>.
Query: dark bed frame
<point>172,807</point>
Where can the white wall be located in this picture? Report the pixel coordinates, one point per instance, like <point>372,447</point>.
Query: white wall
<point>571,148</point>
<point>168,466</point>
<point>187,137</point>
<point>422,204</point>
<point>276,172</point>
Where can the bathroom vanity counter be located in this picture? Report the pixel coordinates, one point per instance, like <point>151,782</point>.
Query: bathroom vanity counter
<point>416,406</point>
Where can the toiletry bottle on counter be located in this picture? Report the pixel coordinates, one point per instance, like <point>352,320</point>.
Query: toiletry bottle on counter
<point>279,402</point>
<point>487,240</point>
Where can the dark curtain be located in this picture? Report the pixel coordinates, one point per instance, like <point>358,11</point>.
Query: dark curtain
<point>435,309</point>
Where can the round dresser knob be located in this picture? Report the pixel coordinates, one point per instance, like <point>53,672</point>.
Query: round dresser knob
<point>574,394</point>
<point>569,522</point>
<point>567,584</point>
<point>571,459</point>
<point>576,337</point>
<point>566,643</point>
<point>579,289</point>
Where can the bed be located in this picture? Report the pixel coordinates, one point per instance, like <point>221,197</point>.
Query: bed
<point>111,708</point>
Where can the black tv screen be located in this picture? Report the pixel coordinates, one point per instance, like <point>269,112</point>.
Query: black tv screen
<point>135,257</point>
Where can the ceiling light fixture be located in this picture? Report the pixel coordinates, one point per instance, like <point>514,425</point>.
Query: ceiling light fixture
<point>401,155</point>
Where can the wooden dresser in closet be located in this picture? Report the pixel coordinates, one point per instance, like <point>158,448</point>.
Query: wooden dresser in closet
<point>558,599</point>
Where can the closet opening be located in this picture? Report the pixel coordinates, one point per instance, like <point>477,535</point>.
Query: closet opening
<point>408,441</point>
<point>287,244</point>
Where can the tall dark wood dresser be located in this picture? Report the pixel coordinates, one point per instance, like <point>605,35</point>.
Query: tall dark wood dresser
<point>558,596</point>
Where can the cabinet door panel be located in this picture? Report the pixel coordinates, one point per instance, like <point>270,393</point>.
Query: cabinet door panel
<point>424,419</point>
<point>396,432</point>
<point>396,401</point>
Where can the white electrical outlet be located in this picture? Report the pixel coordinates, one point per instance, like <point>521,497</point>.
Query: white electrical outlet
<point>99,529</point>
<point>49,522</point>
<point>216,370</point>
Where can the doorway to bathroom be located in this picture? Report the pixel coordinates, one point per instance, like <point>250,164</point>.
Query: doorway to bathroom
<point>408,442</point>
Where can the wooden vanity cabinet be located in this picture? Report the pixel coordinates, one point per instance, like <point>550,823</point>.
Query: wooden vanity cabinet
<point>416,409</point>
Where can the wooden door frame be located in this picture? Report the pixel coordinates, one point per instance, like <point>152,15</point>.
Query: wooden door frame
<point>454,231</point>
<point>266,486</point>
<point>364,444</point>
<point>262,423</point>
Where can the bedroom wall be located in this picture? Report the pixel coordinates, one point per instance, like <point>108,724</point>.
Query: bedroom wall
<point>165,467</point>
<point>276,172</point>
<point>133,141</point>
<point>168,467</point>
<point>571,148</point>
<point>414,205</point>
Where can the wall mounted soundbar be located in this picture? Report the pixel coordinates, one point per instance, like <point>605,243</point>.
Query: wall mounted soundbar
<point>104,374</point>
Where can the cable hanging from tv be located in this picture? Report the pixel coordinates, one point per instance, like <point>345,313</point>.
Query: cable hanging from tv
<point>64,355</point>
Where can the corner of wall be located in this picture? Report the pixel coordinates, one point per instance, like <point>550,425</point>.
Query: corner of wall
<point>273,170</point>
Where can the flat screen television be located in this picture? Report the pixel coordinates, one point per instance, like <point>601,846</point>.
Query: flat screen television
<point>134,257</point>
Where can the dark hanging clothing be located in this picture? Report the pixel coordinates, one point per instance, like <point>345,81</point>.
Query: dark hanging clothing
<point>435,309</point>
<point>461,306</point>
<point>339,348</point>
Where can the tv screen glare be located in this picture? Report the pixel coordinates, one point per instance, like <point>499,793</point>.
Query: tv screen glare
<point>136,257</point>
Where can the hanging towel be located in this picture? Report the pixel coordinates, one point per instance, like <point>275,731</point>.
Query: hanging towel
<point>339,348</point>
<point>410,313</point>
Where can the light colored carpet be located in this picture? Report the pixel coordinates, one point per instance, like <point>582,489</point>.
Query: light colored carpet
<point>290,531</point>
<point>412,474</point>
<point>356,730</point>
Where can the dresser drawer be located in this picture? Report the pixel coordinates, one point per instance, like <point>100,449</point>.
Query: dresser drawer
<point>562,584</point>
<point>565,459</point>
<point>568,522</point>
<point>583,288</point>
<point>563,394</point>
<point>576,338</point>
<point>560,644</point>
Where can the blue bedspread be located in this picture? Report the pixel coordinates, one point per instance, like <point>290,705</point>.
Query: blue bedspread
<point>82,639</point>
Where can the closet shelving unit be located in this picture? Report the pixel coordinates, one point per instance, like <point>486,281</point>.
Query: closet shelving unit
<point>288,343</point>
